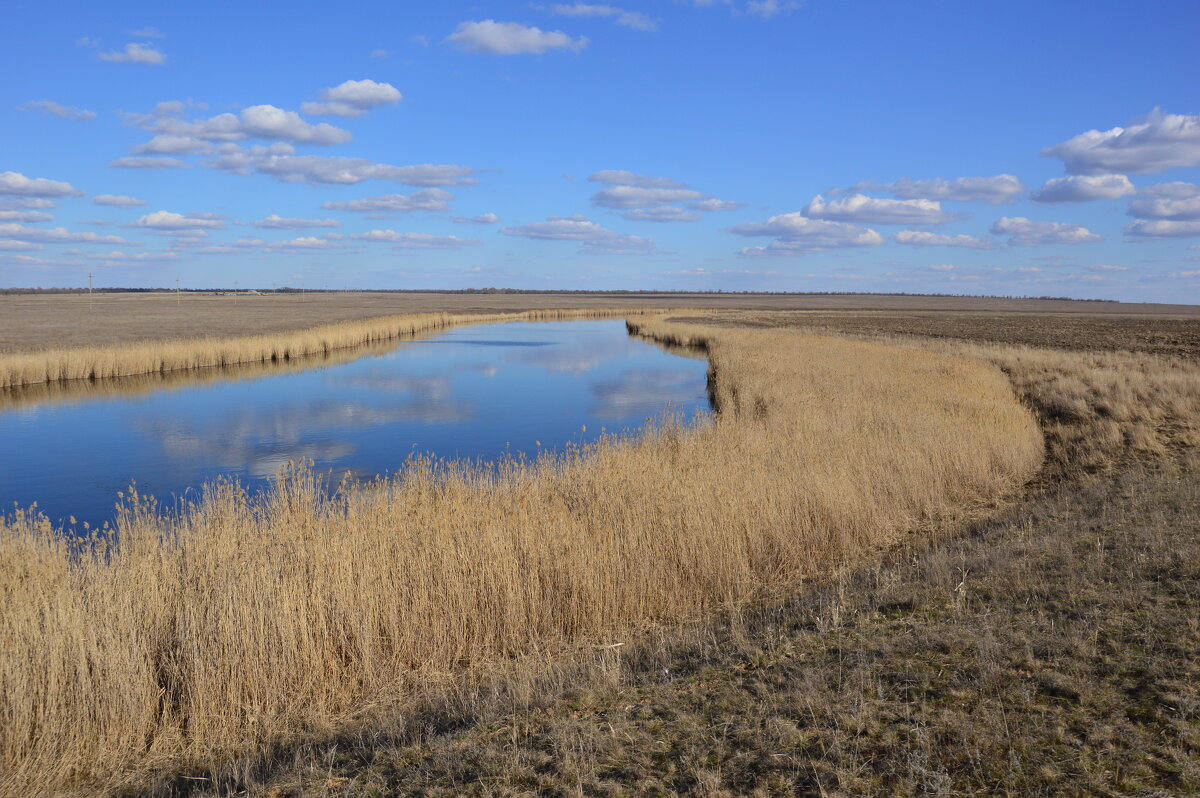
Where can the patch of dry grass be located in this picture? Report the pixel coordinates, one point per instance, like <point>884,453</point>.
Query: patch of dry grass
<point>18,370</point>
<point>249,624</point>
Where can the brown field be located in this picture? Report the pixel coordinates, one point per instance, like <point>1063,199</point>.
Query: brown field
<point>831,590</point>
<point>65,320</point>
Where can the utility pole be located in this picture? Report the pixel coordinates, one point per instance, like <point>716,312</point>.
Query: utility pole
<point>89,292</point>
<point>176,292</point>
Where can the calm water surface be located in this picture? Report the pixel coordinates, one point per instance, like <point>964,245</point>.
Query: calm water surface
<point>473,392</point>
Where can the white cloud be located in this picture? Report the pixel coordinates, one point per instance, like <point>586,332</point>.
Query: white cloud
<point>149,163</point>
<point>1162,228</point>
<point>62,111</point>
<point>135,53</point>
<point>1176,190</point>
<point>287,245</point>
<point>278,163</point>
<point>18,185</point>
<point>276,222</point>
<point>1107,267</point>
<point>25,216</point>
<point>9,245</point>
<point>1082,188</point>
<point>621,177</point>
<point>994,190</point>
<point>613,196</point>
<point>709,205</point>
<point>592,236</point>
<point>796,234</point>
<point>412,240</point>
<point>379,53</point>
<point>28,202</point>
<point>630,19</point>
<point>1028,233</point>
<point>1179,209</point>
<point>168,144</point>
<point>766,9</point>
<point>511,38</point>
<point>661,213</point>
<point>921,238</point>
<point>117,200</point>
<point>56,235</point>
<point>1153,143</point>
<point>353,98</point>
<point>483,218</point>
<point>169,221</point>
<point>871,210</point>
<point>257,121</point>
<point>434,200</point>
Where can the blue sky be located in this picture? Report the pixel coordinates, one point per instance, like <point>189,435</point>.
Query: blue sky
<point>1013,148</point>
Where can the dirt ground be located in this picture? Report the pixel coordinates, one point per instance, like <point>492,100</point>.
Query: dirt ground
<point>1177,336</point>
<point>30,321</point>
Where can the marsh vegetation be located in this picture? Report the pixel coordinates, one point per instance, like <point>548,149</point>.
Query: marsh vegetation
<point>242,624</point>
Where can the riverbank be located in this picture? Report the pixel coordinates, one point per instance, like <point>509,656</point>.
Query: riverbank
<point>209,641</point>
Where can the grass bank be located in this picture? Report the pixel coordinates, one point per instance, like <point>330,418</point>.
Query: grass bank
<point>22,369</point>
<point>244,624</point>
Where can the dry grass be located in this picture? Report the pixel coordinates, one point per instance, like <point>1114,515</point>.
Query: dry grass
<point>244,625</point>
<point>163,357</point>
<point>31,322</point>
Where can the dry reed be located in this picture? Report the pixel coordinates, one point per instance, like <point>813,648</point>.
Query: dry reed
<point>161,357</point>
<point>247,622</point>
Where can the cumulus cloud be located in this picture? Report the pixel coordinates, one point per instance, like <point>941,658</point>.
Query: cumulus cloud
<point>630,19</point>
<point>412,240</point>
<point>62,111</point>
<point>994,190</point>
<point>177,222</point>
<point>278,162</point>
<point>510,38</point>
<point>176,134</point>
<point>591,236</point>
<point>1083,188</point>
<point>921,238</point>
<point>1153,143</point>
<point>661,213</point>
<point>1176,201</point>
<point>483,218</point>
<point>434,200</point>
<point>24,216</point>
<point>133,162</point>
<point>1176,190</point>
<point>796,234</point>
<point>276,222</point>
<point>17,246</point>
<point>117,200</point>
<point>353,98</point>
<point>1162,228</point>
<point>1027,233</point>
<point>135,53</point>
<point>871,210</point>
<point>56,235</point>
<point>18,185</point>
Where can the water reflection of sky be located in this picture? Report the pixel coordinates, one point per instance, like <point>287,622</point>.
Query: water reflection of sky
<point>475,392</point>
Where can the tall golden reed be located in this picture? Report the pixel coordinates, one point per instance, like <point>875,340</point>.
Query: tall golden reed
<point>247,622</point>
